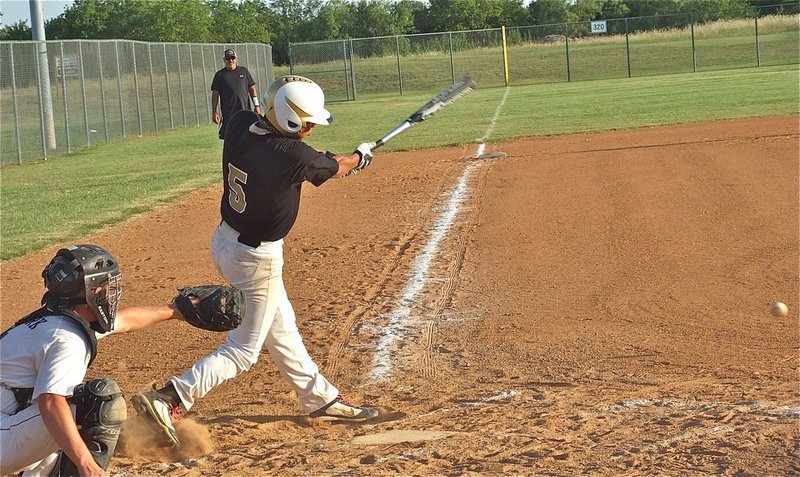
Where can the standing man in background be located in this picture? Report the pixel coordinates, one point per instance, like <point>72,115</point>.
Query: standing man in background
<point>235,87</point>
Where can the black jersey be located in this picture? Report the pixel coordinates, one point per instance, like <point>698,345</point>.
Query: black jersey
<point>233,87</point>
<point>262,176</point>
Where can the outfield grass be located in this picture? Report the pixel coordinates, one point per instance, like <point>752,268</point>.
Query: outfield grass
<point>142,102</point>
<point>67,197</point>
<point>426,61</point>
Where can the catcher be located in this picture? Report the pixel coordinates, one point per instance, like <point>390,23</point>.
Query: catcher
<point>265,163</point>
<point>51,422</point>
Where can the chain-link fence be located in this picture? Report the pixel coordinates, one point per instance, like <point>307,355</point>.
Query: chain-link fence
<point>616,48</point>
<point>58,96</point>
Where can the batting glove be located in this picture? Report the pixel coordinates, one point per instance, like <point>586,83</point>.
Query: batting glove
<point>364,151</point>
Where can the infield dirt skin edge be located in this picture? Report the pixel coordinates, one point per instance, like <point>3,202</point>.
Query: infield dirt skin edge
<point>600,305</point>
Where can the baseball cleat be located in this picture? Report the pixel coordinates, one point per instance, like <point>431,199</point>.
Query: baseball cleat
<point>342,411</point>
<point>159,413</point>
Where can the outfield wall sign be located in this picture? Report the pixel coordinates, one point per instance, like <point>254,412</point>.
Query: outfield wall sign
<point>599,26</point>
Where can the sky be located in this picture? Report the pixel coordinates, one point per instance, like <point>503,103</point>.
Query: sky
<point>16,10</point>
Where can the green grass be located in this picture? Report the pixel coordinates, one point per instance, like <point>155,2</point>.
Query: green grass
<point>559,108</point>
<point>68,197</point>
<point>727,44</point>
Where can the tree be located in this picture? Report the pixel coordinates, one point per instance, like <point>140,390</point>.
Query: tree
<point>16,31</point>
<point>184,21</point>
<point>84,19</point>
<point>292,20</point>
<point>372,18</point>
<point>545,12</point>
<point>510,13</point>
<point>245,22</point>
<point>585,10</point>
<point>408,15</point>
<point>335,20</point>
<point>451,15</point>
<point>692,6</point>
<point>614,9</point>
<point>146,20</point>
<point>643,8</point>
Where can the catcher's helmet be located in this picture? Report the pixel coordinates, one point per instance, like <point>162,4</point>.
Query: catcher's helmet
<point>84,274</point>
<point>293,102</point>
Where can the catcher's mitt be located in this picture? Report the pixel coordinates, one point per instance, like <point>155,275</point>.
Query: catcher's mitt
<point>218,308</point>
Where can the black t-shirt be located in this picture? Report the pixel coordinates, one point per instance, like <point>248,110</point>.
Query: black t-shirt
<point>233,87</point>
<point>262,176</point>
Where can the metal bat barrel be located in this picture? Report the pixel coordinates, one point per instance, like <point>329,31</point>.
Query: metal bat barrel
<point>394,132</point>
<point>443,99</point>
<point>440,101</point>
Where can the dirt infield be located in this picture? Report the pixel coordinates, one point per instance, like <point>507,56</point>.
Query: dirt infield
<point>592,304</point>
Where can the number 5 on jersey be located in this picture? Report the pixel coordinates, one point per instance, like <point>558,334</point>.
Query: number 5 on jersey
<point>236,179</point>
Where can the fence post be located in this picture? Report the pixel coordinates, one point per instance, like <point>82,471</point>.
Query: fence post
<point>346,71</point>
<point>46,97</point>
<point>152,86</point>
<point>194,87</point>
<point>169,96</point>
<point>758,49</point>
<point>14,96</point>
<point>291,60</point>
<point>136,87</point>
<point>399,72</point>
<point>694,51</point>
<point>628,46</point>
<point>566,41</point>
<point>64,96</point>
<point>180,82</point>
<point>205,86</point>
<point>257,77</point>
<point>353,68</point>
<point>41,107</point>
<point>268,62</point>
<point>83,95</point>
<point>102,91</point>
<point>119,89</point>
<point>259,81</point>
<point>452,63</point>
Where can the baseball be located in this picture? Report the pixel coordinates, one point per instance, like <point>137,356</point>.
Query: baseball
<point>778,309</point>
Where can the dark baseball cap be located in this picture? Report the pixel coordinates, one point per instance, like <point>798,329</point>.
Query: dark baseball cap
<point>230,53</point>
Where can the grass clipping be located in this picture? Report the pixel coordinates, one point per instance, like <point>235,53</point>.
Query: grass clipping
<point>139,441</point>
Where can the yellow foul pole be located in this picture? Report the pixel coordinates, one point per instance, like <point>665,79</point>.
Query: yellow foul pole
<point>505,54</point>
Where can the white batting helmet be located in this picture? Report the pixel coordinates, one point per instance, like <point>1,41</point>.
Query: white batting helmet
<point>293,102</point>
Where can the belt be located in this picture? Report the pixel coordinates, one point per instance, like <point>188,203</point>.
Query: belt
<point>248,241</point>
<point>241,238</point>
<point>22,395</point>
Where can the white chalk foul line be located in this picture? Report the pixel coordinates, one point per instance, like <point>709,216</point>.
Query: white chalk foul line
<point>399,318</point>
<point>492,125</point>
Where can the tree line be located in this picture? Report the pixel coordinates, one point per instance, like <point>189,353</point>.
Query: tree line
<point>278,22</point>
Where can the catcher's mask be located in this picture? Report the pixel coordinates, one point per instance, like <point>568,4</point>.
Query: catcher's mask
<point>293,102</point>
<point>84,274</point>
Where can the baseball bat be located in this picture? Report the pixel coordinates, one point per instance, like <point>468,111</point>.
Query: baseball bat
<point>442,100</point>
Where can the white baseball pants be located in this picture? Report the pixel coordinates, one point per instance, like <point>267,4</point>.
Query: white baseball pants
<point>269,320</point>
<point>25,443</point>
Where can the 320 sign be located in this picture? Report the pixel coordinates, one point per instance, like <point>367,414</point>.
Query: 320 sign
<point>599,26</point>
